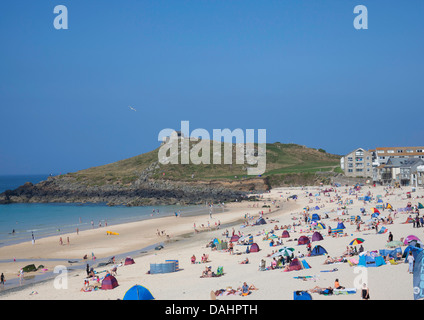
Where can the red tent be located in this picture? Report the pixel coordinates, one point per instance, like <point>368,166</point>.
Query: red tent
<point>317,236</point>
<point>109,283</point>
<point>254,247</point>
<point>303,240</point>
<point>234,238</point>
<point>295,265</point>
<point>285,234</point>
<point>128,261</point>
<point>409,220</point>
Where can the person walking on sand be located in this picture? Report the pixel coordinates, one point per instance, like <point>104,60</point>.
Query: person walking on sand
<point>411,261</point>
<point>2,279</point>
<point>60,241</point>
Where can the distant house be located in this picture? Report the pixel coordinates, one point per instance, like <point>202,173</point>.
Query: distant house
<point>381,155</point>
<point>400,170</point>
<point>408,172</point>
<point>357,163</point>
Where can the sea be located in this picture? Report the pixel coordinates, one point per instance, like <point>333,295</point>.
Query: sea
<point>22,222</point>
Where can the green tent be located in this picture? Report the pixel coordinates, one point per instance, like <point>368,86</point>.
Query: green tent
<point>29,268</point>
<point>420,205</point>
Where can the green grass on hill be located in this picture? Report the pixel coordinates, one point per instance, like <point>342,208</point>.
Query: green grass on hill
<point>280,159</point>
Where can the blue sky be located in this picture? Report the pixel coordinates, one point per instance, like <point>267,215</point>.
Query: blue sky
<point>298,69</point>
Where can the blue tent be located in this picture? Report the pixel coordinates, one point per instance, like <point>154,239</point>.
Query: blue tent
<point>418,276</point>
<point>390,252</point>
<point>367,198</point>
<point>370,260</point>
<point>318,251</point>
<point>315,217</point>
<point>415,252</point>
<point>260,221</point>
<point>138,292</point>
<point>301,295</point>
<point>340,225</point>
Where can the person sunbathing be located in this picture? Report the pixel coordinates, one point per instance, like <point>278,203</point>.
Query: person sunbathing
<point>246,290</point>
<point>193,259</point>
<point>246,261</point>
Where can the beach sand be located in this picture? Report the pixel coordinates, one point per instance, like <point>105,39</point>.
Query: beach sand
<point>386,282</point>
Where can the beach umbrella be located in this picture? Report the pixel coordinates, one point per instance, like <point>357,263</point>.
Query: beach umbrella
<point>394,244</point>
<point>286,251</point>
<point>375,210</point>
<point>356,241</point>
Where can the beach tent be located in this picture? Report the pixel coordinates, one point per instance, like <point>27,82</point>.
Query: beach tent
<point>390,252</point>
<point>420,206</point>
<point>29,268</point>
<point>128,261</point>
<point>285,234</point>
<point>316,208</point>
<point>305,265</point>
<point>367,198</point>
<point>410,238</point>
<point>409,220</point>
<point>138,292</point>
<point>315,217</point>
<point>234,238</point>
<point>318,251</point>
<point>254,247</point>
<point>367,259</point>
<point>303,240</point>
<point>301,295</point>
<point>389,206</point>
<point>216,242</point>
<point>109,283</point>
<point>295,265</point>
<point>415,251</point>
<point>320,226</point>
<point>260,221</point>
<point>317,236</point>
<point>340,225</point>
<point>418,275</point>
<point>416,243</point>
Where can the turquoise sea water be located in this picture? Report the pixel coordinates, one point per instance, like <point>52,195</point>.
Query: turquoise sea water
<point>19,222</point>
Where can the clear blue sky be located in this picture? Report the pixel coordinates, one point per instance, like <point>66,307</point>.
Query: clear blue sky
<point>296,68</point>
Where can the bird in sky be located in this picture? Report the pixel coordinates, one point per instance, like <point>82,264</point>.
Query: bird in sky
<point>133,109</point>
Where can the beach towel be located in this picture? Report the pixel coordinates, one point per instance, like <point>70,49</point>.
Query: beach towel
<point>344,291</point>
<point>334,270</point>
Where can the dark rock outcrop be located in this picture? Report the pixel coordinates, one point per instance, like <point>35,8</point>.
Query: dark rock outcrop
<point>142,192</point>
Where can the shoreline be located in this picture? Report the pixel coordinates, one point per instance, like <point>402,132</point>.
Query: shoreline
<point>231,216</point>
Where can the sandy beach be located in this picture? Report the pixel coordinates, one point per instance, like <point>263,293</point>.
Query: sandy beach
<point>183,242</point>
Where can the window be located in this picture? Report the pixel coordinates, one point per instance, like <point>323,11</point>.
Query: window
<point>358,170</point>
<point>409,151</point>
<point>419,150</point>
<point>390,151</point>
<point>350,170</point>
<point>349,159</point>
